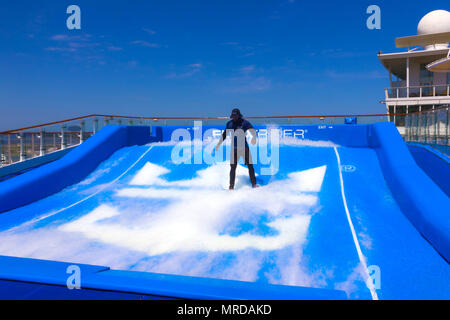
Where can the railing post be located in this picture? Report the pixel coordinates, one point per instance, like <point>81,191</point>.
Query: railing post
<point>63,138</point>
<point>409,127</point>
<point>22,146</point>
<point>412,126</point>
<point>32,145</point>
<point>436,126</point>
<point>425,127</point>
<point>2,156</point>
<point>434,91</point>
<point>419,126</point>
<point>418,132</point>
<point>42,142</point>
<point>9,149</point>
<point>406,137</point>
<point>395,111</point>
<point>420,92</point>
<point>95,126</point>
<point>81,132</point>
<point>446,128</point>
<point>408,80</point>
<point>422,127</point>
<point>416,125</point>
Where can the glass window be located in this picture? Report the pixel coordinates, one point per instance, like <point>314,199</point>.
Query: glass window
<point>426,80</point>
<point>426,76</point>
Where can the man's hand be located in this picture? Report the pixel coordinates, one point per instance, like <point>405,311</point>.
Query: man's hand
<point>253,133</point>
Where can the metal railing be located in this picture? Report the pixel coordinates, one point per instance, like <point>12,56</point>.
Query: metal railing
<point>418,91</point>
<point>431,127</point>
<point>34,141</point>
<point>29,142</point>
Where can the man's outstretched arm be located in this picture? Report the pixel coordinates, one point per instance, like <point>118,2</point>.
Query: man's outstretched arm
<point>222,138</point>
<point>253,133</point>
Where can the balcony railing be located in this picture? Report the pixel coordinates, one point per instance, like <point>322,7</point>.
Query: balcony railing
<point>432,126</point>
<point>418,92</point>
<point>30,142</point>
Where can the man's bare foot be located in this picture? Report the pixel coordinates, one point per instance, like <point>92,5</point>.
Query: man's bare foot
<point>231,188</point>
<point>255,186</point>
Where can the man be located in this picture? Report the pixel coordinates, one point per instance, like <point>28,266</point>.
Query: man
<point>238,126</point>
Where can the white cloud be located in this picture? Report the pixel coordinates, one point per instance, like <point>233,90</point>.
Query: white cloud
<point>146,44</point>
<point>149,31</point>
<point>114,48</point>
<point>189,71</point>
<point>65,37</point>
<point>247,69</point>
<point>355,75</point>
<point>246,84</point>
<point>60,49</point>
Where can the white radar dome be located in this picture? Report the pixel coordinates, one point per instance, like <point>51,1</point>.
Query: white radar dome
<point>436,21</point>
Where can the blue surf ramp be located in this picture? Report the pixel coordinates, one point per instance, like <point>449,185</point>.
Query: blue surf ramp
<point>338,216</point>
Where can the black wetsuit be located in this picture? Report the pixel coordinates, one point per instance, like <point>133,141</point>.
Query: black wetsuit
<point>239,149</point>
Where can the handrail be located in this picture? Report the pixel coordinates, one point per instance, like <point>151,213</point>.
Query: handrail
<point>424,111</point>
<point>428,126</point>
<point>415,87</point>
<point>20,144</point>
<point>13,131</point>
<point>424,91</point>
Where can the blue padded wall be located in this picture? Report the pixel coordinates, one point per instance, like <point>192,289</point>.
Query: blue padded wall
<point>72,168</point>
<point>421,200</point>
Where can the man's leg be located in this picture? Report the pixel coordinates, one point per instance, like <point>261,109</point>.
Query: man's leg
<point>249,164</point>
<point>233,164</point>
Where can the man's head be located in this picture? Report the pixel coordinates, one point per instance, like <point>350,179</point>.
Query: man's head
<point>236,114</point>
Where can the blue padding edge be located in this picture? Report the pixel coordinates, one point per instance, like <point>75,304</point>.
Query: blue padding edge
<point>421,200</point>
<point>164,285</point>
<point>17,167</point>
<point>344,135</point>
<point>434,163</point>
<point>72,168</point>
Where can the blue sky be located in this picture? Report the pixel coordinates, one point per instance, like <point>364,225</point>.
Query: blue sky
<point>196,58</point>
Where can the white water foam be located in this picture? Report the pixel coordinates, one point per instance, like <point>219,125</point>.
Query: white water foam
<point>193,231</point>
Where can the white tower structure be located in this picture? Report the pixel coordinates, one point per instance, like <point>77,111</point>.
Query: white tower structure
<point>413,87</point>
